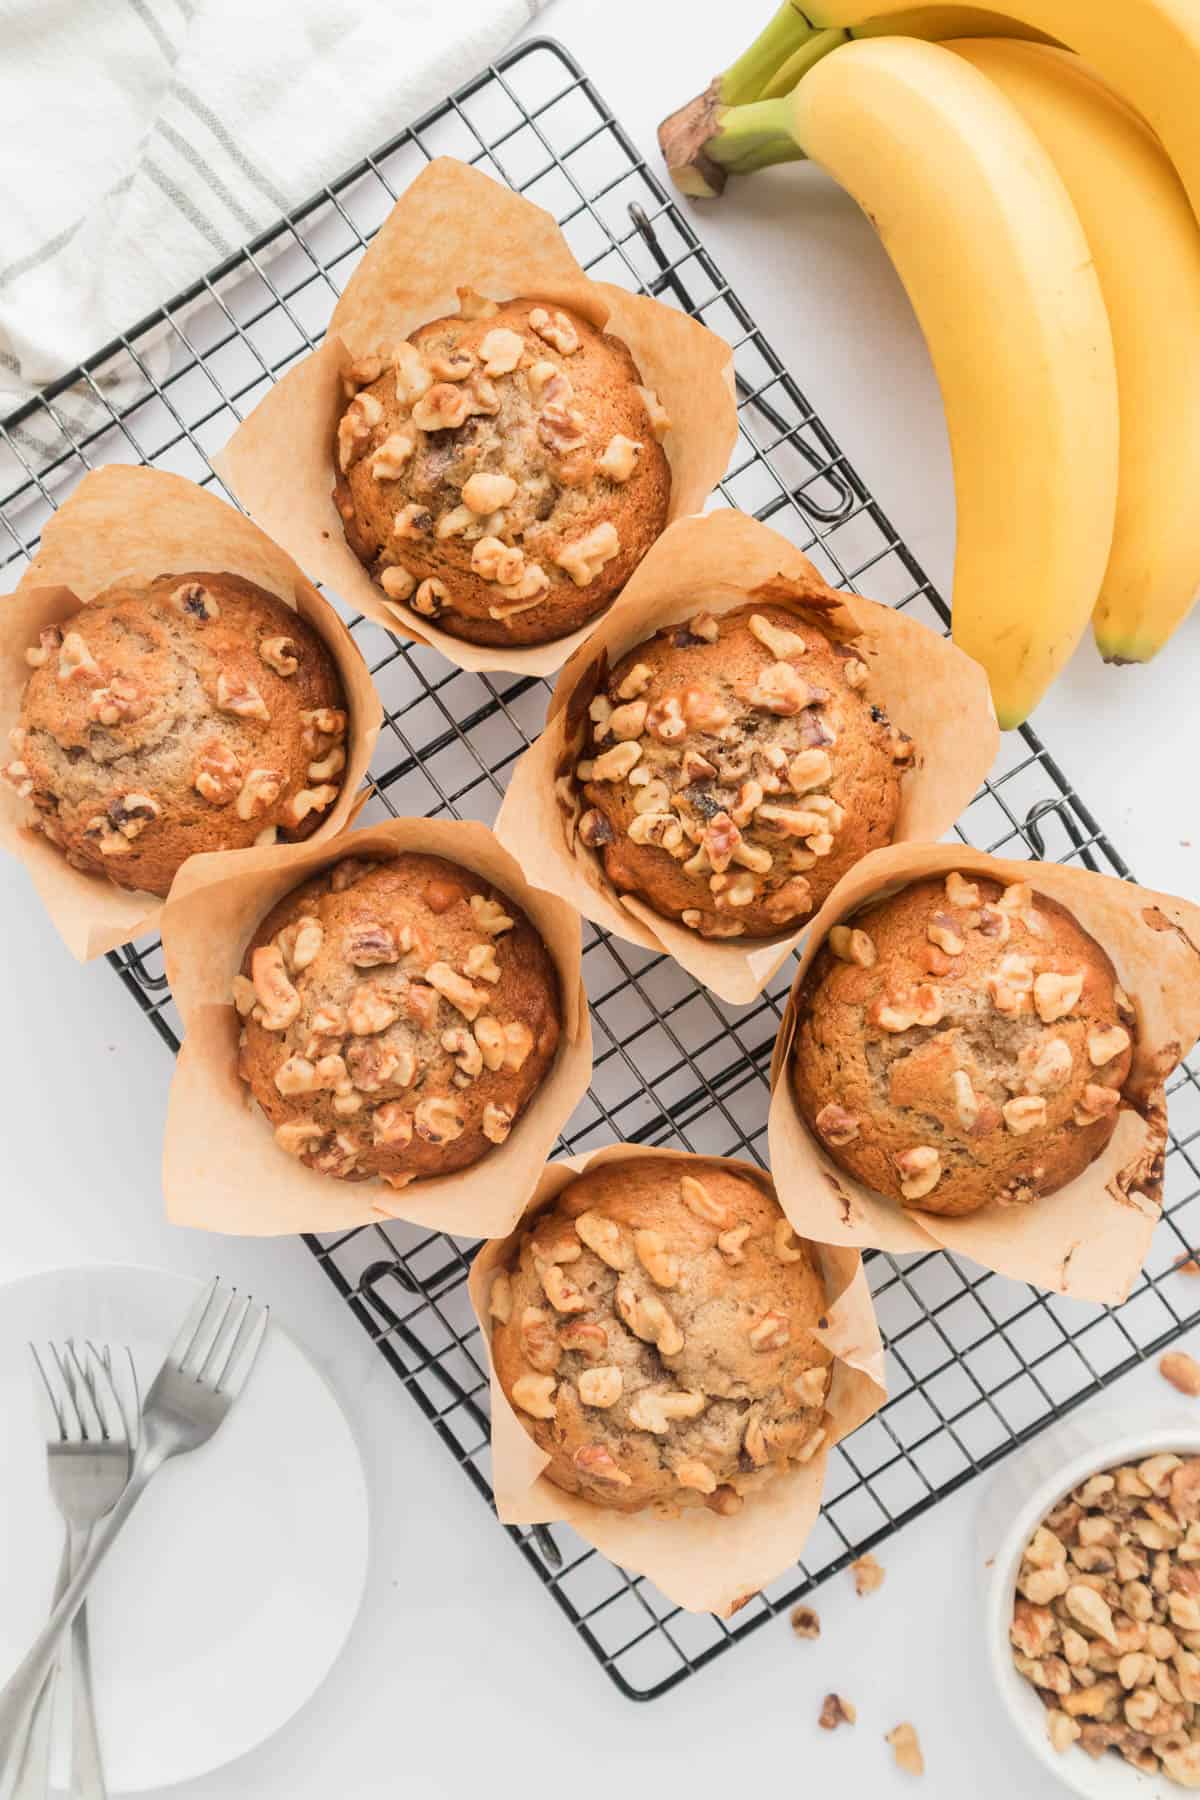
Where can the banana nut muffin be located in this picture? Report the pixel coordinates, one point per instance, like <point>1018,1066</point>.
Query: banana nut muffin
<point>501,471</point>
<point>735,768</point>
<point>655,1334</point>
<point>193,712</point>
<point>962,1042</point>
<point>399,1016</point>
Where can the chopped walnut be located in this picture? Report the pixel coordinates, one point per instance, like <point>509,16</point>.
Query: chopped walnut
<point>805,1622</point>
<point>497,1122</point>
<point>660,422</point>
<point>906,1748</point>
<point>1103,1046</point>
<point>430,597</point>
<point>534,1394</point>
<point>438,1120</point>
<point>556,329</point>
<point>444,407</point>
<point>586,556</point>
<point>1055,995</point>
<point>412,521</point>
<point>240,697</point>
<point>852,946</point>
<point>279,1003</point>
<point>489,915</point>
<point>485,493</point>
<point>75,660</point>
<point>281,654</point>
<point>619,458</point>
<point>835,1711</point>
<point>1182,1371</point>
<point>836,1125</point>
<point>259,791</point>
<point>396,582</point>
<point>452,365</point>
<point>387,464</point>
<point>49,639</point>
<point>217,774</point>
<point>920,1171</point>
<point>868,1574</point>
<point>1026,1113</point>
<point>782,644</point>
<point>354,430</point>
<point>698,1200</point>
<point>462,994</point>
<point>778,688</point>
<point>600,1386</point>
<point>392,1126</point>
<point>495,561</point>
<point>454,523</point>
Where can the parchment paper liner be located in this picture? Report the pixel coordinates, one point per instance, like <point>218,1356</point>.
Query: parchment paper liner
<point>701,1561</point>
<point>222,1170</point>
<point>930,688</point>
<point>1088,1239</point>
<point>135,523</point>
<point>453,227</point>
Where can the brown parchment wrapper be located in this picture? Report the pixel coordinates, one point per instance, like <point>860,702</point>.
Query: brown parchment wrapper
<point>222,1169</point>
<point>455,227</point>
<point>1090,1238</point>
<point>125,523</point>
<point>701,1561</point>
<point>714,563</point>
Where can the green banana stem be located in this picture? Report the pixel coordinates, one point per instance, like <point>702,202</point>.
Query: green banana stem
<point>726,140</point>
<point>801,61</point>
<point>746,78</point>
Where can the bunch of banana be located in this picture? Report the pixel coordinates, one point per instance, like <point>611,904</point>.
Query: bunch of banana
<point>1051,252</point>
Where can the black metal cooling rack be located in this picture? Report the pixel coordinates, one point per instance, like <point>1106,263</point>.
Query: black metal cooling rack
<point>977,1364</point>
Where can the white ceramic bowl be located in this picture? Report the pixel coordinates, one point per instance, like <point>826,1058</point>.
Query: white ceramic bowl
<point>1028,1484</point>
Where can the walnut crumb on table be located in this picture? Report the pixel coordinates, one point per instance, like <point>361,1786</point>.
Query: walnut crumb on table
<point>1182,1371</point>
<point>868,1574</point>
<point>806,1623</point>
<point>906,1748</point>
<point>835,1711</point>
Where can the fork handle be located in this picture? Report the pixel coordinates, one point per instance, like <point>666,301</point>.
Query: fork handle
<point>33,1782</point>
<point>87,1767</point>
<point>19,1695</point>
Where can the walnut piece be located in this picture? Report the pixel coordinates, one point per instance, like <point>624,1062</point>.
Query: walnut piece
<point>585,557</point>
<point>240,697</point>
<point>1182,1371</point>
<point>906,1748</point>
<point>868,1574</point>
<point>556,329</point>
<point>835,1711</point>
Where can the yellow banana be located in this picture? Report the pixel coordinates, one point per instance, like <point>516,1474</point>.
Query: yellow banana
<point>1149,50</point>
<point>989,247</point>
<point>1147,251</point>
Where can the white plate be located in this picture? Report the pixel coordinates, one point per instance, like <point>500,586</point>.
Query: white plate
<point>235,1583</point>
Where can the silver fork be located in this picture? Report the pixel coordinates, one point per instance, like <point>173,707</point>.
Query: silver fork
<point>87,1461</point>
<point>205,1370</point>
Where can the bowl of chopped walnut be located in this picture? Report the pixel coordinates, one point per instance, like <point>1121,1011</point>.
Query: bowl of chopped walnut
<point>1093,1603</point>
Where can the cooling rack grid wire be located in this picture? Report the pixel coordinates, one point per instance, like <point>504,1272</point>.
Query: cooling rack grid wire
<point>976,1363</point>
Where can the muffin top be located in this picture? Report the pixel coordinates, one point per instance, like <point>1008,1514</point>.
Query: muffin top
<point>193,712</point>
<point>962,1042</point>
<point>501,471</point>
<point>398,1018</point>
<point>654,1332</point>
<point>735,768</point>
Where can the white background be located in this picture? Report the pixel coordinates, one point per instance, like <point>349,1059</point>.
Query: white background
<point>461,1676</point>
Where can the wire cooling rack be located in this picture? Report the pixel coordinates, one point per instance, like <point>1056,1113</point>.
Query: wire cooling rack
<point>976,1363</point>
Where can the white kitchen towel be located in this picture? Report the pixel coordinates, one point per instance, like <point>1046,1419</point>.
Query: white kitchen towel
<point>142,141</point>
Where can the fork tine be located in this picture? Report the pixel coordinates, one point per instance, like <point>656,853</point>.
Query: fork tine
<point>84,1395</point>
<point>108,1401</point>
<point>224,1338</point>
<point>75,1431</point>
<point>192,1325</point>
<point>246,1347</point>
<point>129,1416</point>
<point>51,1396</point>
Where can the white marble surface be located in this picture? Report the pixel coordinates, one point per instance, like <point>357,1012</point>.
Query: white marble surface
<point>461,1677</point>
